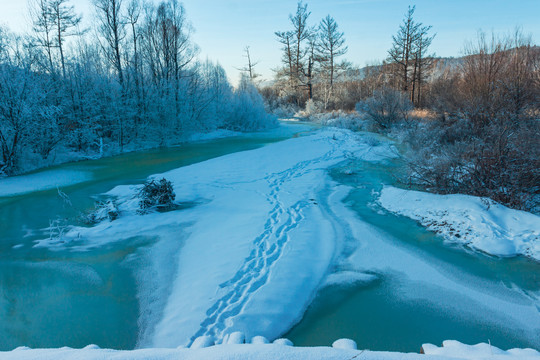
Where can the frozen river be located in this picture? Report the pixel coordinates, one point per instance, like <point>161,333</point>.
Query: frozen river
<point>397,286</point>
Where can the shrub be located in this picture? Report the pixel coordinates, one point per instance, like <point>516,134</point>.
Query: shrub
<point>105,210</point>
<point>157,195</point>
<point>386,107</point>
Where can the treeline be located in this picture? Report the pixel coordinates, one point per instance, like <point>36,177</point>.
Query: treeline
<point>313,69</point>
<point>132,81</point>
<point>471,124</point>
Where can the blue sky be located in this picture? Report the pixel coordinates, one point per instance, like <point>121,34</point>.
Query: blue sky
<point>224,27</point>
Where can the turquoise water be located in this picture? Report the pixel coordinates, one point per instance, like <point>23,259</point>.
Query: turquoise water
<point>378,318</point>
<point>61,298</point>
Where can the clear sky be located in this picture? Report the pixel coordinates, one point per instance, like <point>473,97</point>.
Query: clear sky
<point>224,27</point>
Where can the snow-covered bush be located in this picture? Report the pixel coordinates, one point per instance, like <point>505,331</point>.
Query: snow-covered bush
<point>386,107</point>
<point>247,111</point>
<point>340,119</point>
<point>312,108</point>
<point>156,195</point>
<point>105,210</point>
<point>285,110</point>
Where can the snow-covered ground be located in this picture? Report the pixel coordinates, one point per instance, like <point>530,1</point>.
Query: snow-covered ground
<point>477,223</point>
<point>342,349</point>
<point>249,260</point>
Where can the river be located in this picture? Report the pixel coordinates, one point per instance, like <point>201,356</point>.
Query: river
<point>60,298</point>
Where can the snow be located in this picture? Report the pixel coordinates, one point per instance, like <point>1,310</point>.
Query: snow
<point>452,348</point>
<point>348,278</point>
<point>225,265</point>
<point>44,180</point>
<point>343,349</point>
<point>202,342</point>
<point>477,223</point>
<point>236,337</point>
<point>345,344</point>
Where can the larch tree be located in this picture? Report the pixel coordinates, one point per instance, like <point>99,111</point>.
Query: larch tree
<point>296,50</point>
<point>331,45</point>
<point>421,61</point>
<point>285,38</point>
<point>402,54</point>
<point>408,56</point>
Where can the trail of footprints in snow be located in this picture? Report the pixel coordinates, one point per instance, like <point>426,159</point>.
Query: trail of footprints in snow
<point>267,248</point>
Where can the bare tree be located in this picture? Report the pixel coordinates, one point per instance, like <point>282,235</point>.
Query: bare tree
<point>133,15</point>
<point>482,69</point>
<point>112,28</point>
<point>249,68</point>
<point>65,23</point>
<point>43,27</point>
<point>421,62</point>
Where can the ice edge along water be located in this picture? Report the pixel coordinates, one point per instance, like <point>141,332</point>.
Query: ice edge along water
<point>478,223</point>
<point>268,227</point>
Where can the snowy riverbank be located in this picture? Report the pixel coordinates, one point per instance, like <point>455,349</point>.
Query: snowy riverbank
<point>477,223</point>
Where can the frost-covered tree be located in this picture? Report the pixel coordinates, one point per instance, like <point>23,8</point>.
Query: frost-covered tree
<point>296,51</point>
<point>43,27</point>
<point>247,109</point>
<point>137,84</point>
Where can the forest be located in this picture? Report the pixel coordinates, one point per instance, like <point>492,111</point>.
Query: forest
<point>132,82</point>
<point>467,125</point>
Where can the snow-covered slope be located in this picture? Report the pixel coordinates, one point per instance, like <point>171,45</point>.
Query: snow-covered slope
<point>249,260</point>
<point>479,224</point>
